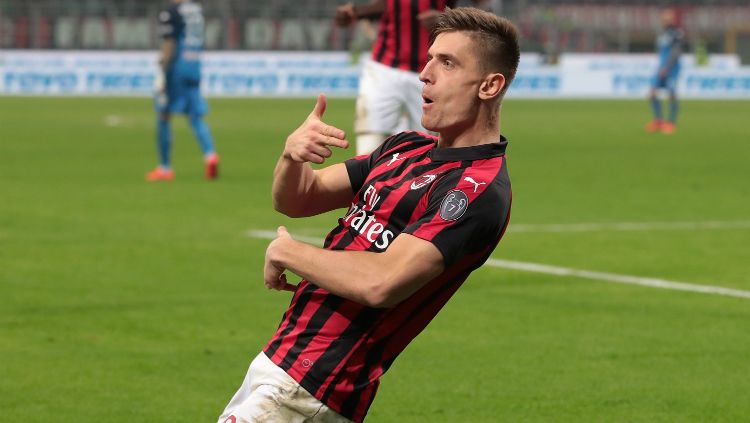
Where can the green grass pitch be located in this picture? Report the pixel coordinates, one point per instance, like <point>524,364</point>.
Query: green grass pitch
<point>123,301</point>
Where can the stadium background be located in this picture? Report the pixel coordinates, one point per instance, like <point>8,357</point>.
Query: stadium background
<point>593,49</point>
<point>547,26</point>
<point>619,293</point>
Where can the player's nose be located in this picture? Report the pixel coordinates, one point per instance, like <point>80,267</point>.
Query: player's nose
<point>426,74</point>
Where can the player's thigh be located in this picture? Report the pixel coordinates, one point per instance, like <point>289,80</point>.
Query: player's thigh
<point>658,82</point>
<point>268,394</point>
<point>410,90</point>
<point>176,101</point>
<point>285,403</point>
<point>196,104</point>
<point>670,84</point>
<point>302,403</point>
<point>378,102</point>
<point>267,404</point>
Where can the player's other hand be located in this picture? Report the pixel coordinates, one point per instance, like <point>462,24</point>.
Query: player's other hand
<point>160,82</point>
<point>311,142</point>
<point>273,273</point>
<point>345,15</point>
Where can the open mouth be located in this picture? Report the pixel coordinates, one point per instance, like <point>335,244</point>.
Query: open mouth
<point>426,99</point>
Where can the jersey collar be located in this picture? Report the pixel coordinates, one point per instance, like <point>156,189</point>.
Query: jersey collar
<point>477,152</point>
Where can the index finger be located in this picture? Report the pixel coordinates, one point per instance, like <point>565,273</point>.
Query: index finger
<point>332,131</point>
<point>336,142</point>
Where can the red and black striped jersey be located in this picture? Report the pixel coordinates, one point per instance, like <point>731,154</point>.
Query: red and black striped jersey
<point>402,40</point>
<point>456,198</point>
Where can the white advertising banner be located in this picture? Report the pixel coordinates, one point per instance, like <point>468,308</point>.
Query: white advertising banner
<point>296,74</point>
<point>132,73</point>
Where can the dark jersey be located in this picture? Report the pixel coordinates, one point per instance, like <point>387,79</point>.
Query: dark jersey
<point>184,24</point>
<point>402,40</point>
<point>457,198</point>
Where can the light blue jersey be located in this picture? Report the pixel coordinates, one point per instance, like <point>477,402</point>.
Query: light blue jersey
<point>669,49</point>
<point>184,24</point>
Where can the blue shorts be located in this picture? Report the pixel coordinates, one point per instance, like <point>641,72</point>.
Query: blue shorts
<point>669,82</point>
<point>182,96</point>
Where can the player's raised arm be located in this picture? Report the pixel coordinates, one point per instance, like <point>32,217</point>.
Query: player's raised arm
<point>300,191</point>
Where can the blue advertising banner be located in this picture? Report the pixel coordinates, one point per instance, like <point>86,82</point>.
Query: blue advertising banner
<point>294,74</point>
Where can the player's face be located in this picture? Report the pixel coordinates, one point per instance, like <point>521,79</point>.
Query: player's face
<point>668,18</point>
<point>452,78</point>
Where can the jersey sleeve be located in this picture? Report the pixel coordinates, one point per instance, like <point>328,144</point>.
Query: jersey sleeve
<point>168,23</point>
<point>462,218</point>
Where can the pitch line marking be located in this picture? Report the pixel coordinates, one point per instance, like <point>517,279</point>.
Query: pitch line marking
<point>630,226</point>
<point>616,278</point>
<point>564,271</point>
<point>114,121</point>
<point>261,234</point>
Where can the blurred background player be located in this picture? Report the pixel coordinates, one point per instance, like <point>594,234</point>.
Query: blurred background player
<point>178,85</point>
<point>669,49</point>
<point>390,93</point>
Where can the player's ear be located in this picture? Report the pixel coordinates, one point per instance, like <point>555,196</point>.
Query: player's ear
<point>492,86</point>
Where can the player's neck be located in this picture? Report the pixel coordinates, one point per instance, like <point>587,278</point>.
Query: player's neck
<point>484,130</point>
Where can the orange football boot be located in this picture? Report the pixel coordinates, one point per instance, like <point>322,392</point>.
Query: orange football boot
<point>667,128</point>
<point>654,126</point>
<point>160,174</point>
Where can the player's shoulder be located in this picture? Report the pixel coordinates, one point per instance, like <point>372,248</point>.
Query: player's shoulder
<point>403,143</point>
<point>409,140</point>
<point>488,178</point>
<point>485,170</point>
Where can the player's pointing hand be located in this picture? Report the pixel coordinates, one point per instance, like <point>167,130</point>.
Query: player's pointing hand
<point>312,140</point>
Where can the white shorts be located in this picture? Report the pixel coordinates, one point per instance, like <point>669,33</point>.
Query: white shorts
<point>269,395</point>
<point>389,100</point>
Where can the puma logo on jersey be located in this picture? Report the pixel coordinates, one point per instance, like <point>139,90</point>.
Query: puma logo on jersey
<point>476,184</point>
<point>395,158</point>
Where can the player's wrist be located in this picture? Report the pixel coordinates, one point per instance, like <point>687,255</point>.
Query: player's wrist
<point>287,155</point>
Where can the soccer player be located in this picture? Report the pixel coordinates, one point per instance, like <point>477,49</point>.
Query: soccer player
<point>178,86</point>
<point>669,49</point>
<point>389,88</point>
<point>423,213</point>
